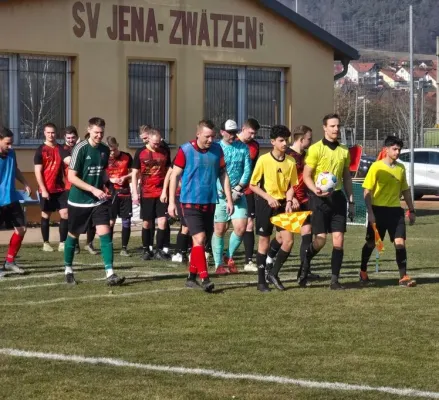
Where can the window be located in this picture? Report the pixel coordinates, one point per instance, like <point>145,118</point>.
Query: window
<point>149,84</point>
<point>434,158</point>
<point>405,157</point>
<point>245,92</point>
<point>34,90</point>
<point>421,157</point>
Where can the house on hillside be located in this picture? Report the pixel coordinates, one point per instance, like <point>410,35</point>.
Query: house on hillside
<point>418,74</point>
<point>431,76</point>
<point>363,73</point>
<point>390,79</point>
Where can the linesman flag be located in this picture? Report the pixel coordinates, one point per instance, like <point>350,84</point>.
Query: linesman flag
<point>291,222</point>
<point>378,242</point>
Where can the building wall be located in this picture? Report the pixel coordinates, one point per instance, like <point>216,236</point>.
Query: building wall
<point>83,30</point>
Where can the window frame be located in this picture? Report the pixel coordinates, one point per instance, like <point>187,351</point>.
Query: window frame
<point>14,92</point>
<point>242,92</point>
<point>137,143</point>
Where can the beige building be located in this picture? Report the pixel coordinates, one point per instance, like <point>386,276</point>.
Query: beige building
<point>167,63</point>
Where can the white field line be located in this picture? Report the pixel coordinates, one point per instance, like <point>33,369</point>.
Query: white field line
<point>92,296</point>
<point>219,374</point>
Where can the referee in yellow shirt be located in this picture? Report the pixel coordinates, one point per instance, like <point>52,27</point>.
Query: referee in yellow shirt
<point>384,183</point>
<point>329,210</point>
<point>272,181</point>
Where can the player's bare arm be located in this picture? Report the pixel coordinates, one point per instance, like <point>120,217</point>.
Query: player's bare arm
<point>164,195</point>
<point>134,179</point>
<point>272,202</point>
<point>173,183</point>
<point>368,200</point>
<point>80,184</point>
<point>409,201</point>
<point>40,180</point>
<point>225,183</point>
<point>20,178</point>
<point>347,184</point>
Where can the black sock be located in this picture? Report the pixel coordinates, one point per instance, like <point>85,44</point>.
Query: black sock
<point>161,235</point>
<point>261,260</point>
<point>45,229</point>
<point>249,245</point>
<point>304,245</point>
<point>126,233</point>
<point>151,238</point>
<point>365,256</point>
<point>336,261</point>
<point>146,239</point>
<point>274,248</point>
<point>91,233</point>
<point>311,252</point>
<point>181,239</point>
<point>167,241</point>
<point>401,260</point>
<point>192,276</point>
<point>63,229</point>
<point>282,256</point>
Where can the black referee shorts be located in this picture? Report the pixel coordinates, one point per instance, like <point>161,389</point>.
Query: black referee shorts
<point>328,213</point>
<point>388,219</point>
<point>251,206</point>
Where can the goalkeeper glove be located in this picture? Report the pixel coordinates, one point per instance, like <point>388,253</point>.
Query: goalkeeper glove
<point>237,193</point>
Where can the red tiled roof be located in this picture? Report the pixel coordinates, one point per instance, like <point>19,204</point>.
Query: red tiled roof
<point>392,75</point>
<point>362,67</point>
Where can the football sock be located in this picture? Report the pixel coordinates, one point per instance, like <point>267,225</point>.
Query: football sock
<point>401,260</point>
<point>107,253</point>
<point>161,234</point>
<point>304,245</point>
<point>146,235</point>
<point>45,229</point>
<point>366,252</point>
<point>260,261</point>
<point>274,248</point>
<point>63,229</point>
<point>126,233</point>
<point>282,256</point>
<point>69,250</point>
<point>181,243</point>
<point>91,233</point>
<point>198,260</point>
<point>336,261</point>
<point>249,245</point>
<point>234,243</point>
<point>217,249</point>
<point>14,247</point>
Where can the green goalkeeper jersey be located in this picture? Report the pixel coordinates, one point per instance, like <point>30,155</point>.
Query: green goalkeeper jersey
<point>90,163</point>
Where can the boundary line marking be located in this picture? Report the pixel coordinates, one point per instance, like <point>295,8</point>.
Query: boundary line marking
<point>219,374</point>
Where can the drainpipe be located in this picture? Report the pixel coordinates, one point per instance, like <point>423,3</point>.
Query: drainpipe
<point>343,73</point>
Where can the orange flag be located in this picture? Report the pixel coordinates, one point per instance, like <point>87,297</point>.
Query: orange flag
<point>378,242</point>
<point>291,222</point>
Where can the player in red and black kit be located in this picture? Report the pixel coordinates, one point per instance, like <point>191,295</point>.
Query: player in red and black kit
<point>302,139</point>
<point>49,161</point>
<point>249,130</point>
<point>152,162</point>
<point>119,174</point>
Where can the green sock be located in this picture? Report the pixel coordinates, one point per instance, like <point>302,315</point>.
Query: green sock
<point>69,250</point>
<point>107,250</point>
<point>234,243</point>
<point>217,249</point>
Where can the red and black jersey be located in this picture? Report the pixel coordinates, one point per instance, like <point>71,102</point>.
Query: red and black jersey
<point>51,158</point>
<point>300,190</point>
<point>153,166</point>
<point>253,148</point>
<point>68,151</point>
<point>118,167</point>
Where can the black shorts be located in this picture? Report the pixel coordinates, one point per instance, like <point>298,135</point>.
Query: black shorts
<point>264,212</point>
<point>152,208</point>
<point>305,207</point>
<point>180,211</point>
<point>80,218</point>
<point>328,213</point>
<point>388,219</point>
<point>12,215</point>
<point>121,206</point>
<point>199,221</point>
<point>251,207</point>
<point>56,201</point>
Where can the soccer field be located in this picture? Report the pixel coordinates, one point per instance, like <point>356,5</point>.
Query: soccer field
<point>154,339</point>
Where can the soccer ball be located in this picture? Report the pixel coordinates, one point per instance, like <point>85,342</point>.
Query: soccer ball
<point>326,182</point>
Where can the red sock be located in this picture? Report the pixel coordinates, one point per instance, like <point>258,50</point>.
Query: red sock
<point>14,247</point>
<point>198,259</point>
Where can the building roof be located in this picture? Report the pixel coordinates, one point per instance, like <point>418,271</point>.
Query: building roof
<point>392,75</point>
<point>341,49</point>
<point>362,67</point>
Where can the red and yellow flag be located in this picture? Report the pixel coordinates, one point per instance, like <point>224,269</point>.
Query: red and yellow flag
<point>291,222</point>
<point>378,242</point>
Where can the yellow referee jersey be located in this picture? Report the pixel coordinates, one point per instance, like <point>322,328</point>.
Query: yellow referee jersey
<point>274,176</point>
<point>323,159</point>
<point>386,183</point>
